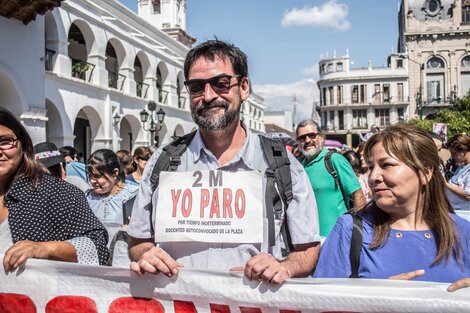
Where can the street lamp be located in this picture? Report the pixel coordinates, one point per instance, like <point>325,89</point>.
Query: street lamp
<point>419,94</point>
<point>154,126</point>
<point>116,119</point>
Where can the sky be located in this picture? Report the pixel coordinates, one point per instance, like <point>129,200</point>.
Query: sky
<point>284,39</point>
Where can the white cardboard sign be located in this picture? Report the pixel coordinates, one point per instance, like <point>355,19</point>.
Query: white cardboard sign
<point>210,206</point>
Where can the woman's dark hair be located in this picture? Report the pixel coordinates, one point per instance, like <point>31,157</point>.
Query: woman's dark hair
<point>355,160</point>
<point>29,167</point>
<point>68,151</point>
<point>459,142</point>
<point>125,158</point>
<point>104,161</point>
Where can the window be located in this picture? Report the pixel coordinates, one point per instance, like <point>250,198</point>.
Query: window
<point>401,114</point>
<point>376,94</point>
<point>386,92</point>
<point>435,84</point>
<point>331,122</point>
<point>354,94</point>
<point>322,69</point>
<point>400,92</point>
<point>325,118</point>
<point>465,11</point>
<point>359,118</point>
<point>341,119</point>
<point>339,94</point>
<point>382,117</point>
<point>339,66</point>
<point>399,63</point>
<point>330,95</point>
<point>465,76</point>
<point>156,6</point>
<point>435,63</point>
<point>324,96</point>
<point>330,68</point>
<point>363,94</point>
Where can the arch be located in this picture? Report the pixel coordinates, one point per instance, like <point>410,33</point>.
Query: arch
<point>435,80</point>
<point>435,62</point>
<point>115,54</point>
<point>464,76</point>
<point>162,136</point>
<point>88,126</point>
<point>180,91</point>
<point>145,63</point>
<point>129,131</point>
<point>161,82</point>
<point>54,124</point>
<point>10,96</point>
<point>51,40</point>
<point>179,131</point>
<point>87,33</point>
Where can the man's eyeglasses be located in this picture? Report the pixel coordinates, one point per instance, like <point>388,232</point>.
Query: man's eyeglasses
<point>220,84</point>
<point>312,136</point>
<point>7,143</point>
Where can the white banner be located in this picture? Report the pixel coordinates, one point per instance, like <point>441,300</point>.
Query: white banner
<point>210,206</point>
<point>64,287</point>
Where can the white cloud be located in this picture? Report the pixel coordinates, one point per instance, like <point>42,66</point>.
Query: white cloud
<point>330,14</point>
<point>311,71</point>
<point>280,97</point>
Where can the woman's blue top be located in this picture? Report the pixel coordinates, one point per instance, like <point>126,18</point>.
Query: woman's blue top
<point>404,251</point>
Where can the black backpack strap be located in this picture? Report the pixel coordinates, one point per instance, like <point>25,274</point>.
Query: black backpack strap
<point>356,245</point>
<point>278,193</point>
<point>331,169</point>
<point>168,160</point>
<point>121,235</point>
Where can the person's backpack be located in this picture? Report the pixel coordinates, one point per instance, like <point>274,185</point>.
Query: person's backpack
<point>278,193</point>
<point>355,246</point>
<point>330,168</point>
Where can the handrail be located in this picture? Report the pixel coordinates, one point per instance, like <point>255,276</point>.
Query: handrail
<point>140,87</point>
<point>80,69</point>
<point>162,96</point>
<point>48,56</point>
<point>114,78</point>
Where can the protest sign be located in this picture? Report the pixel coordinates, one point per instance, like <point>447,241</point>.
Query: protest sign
<point>210,206</point>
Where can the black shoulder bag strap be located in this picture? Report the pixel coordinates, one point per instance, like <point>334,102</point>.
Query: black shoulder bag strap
<point>331,169</point>
<point>277,201</point>
<point>169,160</point>
<point>356,245</point>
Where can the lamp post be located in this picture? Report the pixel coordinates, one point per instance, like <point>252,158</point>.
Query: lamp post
<point>419,94</point>
<point>154,126</point>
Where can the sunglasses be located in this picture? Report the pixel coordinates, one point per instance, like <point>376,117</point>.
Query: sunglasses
<point>312,136</point>
<point>220,84</point>
<point>143,158</point>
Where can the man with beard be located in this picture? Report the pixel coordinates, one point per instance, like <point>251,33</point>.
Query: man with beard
<point>329,196</point>
<point>217,81</point>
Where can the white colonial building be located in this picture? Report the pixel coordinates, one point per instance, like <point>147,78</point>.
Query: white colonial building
<point>354,99</point>
<point>81,74</point>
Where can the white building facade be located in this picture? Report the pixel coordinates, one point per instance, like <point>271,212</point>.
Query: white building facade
<point>354,99</point>
<point>81,74</point>
<point>435,34</point>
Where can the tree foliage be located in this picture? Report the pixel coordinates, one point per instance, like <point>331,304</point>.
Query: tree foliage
<point>457,118</point>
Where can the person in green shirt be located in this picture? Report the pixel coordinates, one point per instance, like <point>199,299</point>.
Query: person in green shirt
<point>329,197</point>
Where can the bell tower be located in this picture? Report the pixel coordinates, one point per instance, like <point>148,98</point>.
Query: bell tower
<point>168,16</point>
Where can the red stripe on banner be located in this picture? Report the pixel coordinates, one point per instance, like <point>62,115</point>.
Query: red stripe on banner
<point>244,309</point>
<point>71,304</point>
<point>13,302</point>
<point>135,305</point>
<point>219,308</point>
<point>289,311</point>
<point>184,307</point>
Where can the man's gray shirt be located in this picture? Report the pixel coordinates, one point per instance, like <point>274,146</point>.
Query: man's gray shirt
<point>302,215</point>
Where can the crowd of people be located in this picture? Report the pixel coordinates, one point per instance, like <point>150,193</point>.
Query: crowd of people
<point>391,193</point>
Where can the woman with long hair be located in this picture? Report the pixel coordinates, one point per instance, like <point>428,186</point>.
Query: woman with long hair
<point>141,156</point>
<point>410,225</point>
<point>41,216</point>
